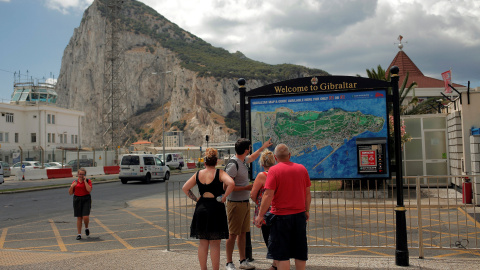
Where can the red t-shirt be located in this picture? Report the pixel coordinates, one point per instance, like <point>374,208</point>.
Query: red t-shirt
<point>289,181</point>
<point>80,189</point>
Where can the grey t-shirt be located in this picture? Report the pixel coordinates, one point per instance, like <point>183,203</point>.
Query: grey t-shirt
<point>240,178</point>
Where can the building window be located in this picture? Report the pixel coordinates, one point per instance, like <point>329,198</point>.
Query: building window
<point>16,137</point>
<point>53,137</point>
<point>61,138</point>
<point>33,137</point>
<point>53,119</point>
<point>76,139</point>
<point>1,136</point>
<point>6,136</point>
<point>49,121</point>
<point>72,139</point>
<point>65,138</point>
<point>9,117</point>
<point>49,139</point>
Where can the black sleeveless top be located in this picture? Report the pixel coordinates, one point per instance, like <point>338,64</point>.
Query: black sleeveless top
<point>215,187</point>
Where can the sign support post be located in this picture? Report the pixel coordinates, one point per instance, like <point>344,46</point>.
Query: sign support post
<point>401,251</point>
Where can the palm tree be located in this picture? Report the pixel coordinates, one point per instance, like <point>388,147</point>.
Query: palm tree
<point>403,91</point>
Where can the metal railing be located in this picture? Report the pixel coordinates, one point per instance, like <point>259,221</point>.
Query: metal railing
<point>360,213</point>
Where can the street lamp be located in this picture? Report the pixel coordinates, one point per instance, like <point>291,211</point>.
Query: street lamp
<point>163,118</point>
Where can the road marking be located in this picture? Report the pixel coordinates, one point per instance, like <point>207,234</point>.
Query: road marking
<point>57,236</point>
<point>154,225</point>
<point>2,238</point>
<point>113,234</point>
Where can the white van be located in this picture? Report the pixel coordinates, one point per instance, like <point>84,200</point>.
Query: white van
<point>174,160</point>
<point>144,167</point>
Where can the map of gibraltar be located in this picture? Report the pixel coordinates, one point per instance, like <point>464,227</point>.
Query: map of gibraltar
<point>319,130</point>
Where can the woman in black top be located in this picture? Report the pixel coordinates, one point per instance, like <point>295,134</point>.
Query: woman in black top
<point>209,223</point>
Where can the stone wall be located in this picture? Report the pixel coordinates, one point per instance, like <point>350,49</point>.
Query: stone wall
<point>455,144</point>
<point>475,163</point>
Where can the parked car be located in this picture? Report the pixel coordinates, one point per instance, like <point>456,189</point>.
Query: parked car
<point>29,165</point>
<point>174,160</point>
<point>143,167</point>
<point>82,163</point>
<point>1,173</point>
<point>49,166</point>
<point>53,165</point>
<point>6,169</point>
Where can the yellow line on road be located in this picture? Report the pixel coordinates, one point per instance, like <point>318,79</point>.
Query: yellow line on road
<point>151,223</point>
<point>2,238</point>
<point>113,234</point>
<point>477,225</point>
<point>57,236</point>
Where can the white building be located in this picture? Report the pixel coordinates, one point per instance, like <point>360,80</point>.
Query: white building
<point>32,122</point>
<point>174,139</point>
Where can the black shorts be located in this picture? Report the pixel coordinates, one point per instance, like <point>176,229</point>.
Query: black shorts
<point>82,205</point>
<point>288,238</point>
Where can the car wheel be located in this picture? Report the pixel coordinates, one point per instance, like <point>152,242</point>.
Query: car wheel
<point>167,176</point>
<point>148,177</point>
<point>124,181</point>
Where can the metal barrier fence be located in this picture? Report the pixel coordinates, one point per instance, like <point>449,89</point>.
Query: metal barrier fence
<point>360,213</point>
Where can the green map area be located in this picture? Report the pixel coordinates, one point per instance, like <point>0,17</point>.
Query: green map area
<point>308,131</point>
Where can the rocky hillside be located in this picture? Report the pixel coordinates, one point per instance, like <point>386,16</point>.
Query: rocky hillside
<point>199,92</point>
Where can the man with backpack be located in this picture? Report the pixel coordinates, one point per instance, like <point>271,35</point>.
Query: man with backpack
<point>82,201</point>
<point>238,204</point>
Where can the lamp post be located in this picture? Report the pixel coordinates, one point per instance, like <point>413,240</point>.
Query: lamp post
<point>163,118</point>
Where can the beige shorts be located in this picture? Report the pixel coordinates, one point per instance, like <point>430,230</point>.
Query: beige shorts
<point>238,214</point>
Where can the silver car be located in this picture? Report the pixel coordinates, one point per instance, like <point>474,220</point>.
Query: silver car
<point>6,169</point>
<point>29,165</point>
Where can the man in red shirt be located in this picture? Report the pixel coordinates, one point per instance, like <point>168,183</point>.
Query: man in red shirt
<point>288,191</point>
<point>82,201</point>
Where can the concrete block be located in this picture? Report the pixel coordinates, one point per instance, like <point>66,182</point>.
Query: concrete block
<point>455,149</point>
<point>94,171</point>
<point>36,174</point>
<point>475,167</point>
<point>475,139</point>
<point>474,148</point>
<point>455,156</point>
<point>456,114</point>
<point>456,141</point>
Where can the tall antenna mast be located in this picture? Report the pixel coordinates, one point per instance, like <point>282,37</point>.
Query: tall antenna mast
<point>114,106</point>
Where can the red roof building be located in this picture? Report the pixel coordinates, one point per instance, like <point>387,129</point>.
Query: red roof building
<point>405,64</point>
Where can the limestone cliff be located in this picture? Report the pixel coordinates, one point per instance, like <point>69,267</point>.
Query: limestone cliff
<point>195,93</point>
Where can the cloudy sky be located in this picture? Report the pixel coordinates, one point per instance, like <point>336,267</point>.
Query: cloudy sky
<point>342,37</point>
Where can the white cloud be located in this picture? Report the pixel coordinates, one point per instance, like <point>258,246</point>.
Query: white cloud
<point>341,37</point>
<point>66,6</point>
